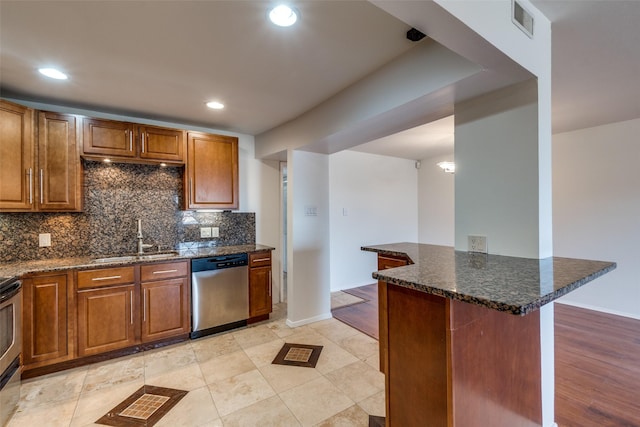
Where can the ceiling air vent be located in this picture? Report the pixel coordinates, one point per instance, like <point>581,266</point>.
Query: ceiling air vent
<point>522,18</point>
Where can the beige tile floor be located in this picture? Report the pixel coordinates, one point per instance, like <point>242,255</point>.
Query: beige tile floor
<point>230,379</point>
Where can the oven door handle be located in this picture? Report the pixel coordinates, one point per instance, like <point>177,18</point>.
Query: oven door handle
<point>11,291</point>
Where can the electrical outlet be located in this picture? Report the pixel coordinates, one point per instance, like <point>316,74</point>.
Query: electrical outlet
<point>205,232</point>
<point>44,240</point>
<point>477,244</point>
<point>215,232</point>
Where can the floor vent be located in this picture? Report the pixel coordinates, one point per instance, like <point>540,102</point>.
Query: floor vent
<point>522,18</point>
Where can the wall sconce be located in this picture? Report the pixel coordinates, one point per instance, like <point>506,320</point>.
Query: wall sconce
<point>448,167</point>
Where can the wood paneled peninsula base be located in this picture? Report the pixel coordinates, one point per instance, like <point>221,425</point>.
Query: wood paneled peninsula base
<point>460,333</point>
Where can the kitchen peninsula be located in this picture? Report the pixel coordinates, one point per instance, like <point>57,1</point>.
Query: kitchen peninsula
<point>460,332</point>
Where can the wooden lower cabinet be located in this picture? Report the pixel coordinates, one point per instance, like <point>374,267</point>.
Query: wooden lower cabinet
<point>165,309</point>
<point>455,364</point>
<point>385,262</point>
<point>106,319</point>
<point>121,307</point>
<point>48,323</point>
<point>260,286</point>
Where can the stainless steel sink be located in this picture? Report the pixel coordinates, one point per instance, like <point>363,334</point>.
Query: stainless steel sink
<point>115,258</point>
<point>158,255</point>
<point>127,258</point>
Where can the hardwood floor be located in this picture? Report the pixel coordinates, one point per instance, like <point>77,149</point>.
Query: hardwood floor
<point>597,368</point>
<point>597,359</point>
<point>362,316</point>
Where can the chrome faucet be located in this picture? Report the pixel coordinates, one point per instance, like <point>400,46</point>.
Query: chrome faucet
<point>141,246</point>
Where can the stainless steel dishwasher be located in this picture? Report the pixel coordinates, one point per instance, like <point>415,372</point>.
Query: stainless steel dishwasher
<point>219,294</point>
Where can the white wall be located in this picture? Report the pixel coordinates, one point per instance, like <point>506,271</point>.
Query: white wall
<point>308,294</point>
<point>596,211</point>
<point>260,193</point>
<point>496,179</point>
<point>436,202</point>
<point>379,195</point>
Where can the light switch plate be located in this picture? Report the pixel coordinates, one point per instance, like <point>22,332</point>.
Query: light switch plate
<point>478,244</point>
<point>44,240</point>
<point>205,232</point>
<point>215,232</point>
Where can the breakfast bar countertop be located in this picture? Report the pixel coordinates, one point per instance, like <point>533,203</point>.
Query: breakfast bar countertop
<point>20,268</point>
<point>509,284</point>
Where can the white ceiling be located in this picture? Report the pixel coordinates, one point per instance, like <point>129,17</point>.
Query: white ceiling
<point>163,59</point>
<point>429,140</point>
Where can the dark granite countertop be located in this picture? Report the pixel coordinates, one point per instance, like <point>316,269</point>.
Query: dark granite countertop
<point>510,284</point>
<point>60,264</point>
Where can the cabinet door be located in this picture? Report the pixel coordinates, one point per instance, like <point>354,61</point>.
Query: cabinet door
<point>165,309</point>
<point>108,138</point>
<point>259,291</point>
<point>106,319</point>
<point>44,319</point>
<point>59,173</point>
<point>16,157</point>
<point>212,170</point>
<point>161,144</point>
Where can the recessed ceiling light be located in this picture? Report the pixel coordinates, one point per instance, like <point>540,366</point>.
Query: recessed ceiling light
<point>215,105</point>
<point>283,15</point>
<point>53,73</point>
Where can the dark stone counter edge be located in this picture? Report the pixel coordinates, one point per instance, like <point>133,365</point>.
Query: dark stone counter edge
<point>85,263</point>
<point>495,305</point>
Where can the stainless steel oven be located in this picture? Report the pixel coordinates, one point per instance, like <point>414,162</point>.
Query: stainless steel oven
<point>10,345</point>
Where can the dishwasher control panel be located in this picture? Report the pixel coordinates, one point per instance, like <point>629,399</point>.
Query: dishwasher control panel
<point>219,262</point>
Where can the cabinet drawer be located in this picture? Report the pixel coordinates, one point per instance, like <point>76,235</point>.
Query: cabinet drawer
<point>105,277</point>
<point>167,270</point>
<point>260,259</point>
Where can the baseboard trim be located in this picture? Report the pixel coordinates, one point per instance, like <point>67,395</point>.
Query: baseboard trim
<point>600,309</point>
<point>297,323</point>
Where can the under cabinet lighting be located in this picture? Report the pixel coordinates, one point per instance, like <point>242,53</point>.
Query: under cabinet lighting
<point>283,15</point>
<point>53,73</point>
<point>163,165</point>
<point>107,160</point>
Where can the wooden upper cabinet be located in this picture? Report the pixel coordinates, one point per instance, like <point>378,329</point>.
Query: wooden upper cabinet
<point>129,142</point>
<point>59,173</point>
<point>108,138</point>
<point>212,171</point>
<point>16,157</point>
<point>45,177</point>
<point>161,143</point>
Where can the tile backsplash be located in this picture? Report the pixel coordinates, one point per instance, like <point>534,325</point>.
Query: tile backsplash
<point>116,195</point>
